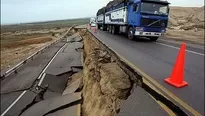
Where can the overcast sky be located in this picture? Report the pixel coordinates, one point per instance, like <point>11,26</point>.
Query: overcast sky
<point>20,11</point>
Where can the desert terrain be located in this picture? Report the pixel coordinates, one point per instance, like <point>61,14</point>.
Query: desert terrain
<point>22,40</point>
<point>187,24</point>
<point>17,46</point>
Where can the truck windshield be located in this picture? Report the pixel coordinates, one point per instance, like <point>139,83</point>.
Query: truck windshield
<point>153,8</point>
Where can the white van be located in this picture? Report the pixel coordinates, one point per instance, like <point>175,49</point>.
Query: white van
<point>92,22</point>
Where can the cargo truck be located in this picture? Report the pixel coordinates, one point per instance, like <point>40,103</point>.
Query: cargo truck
<point>136,18</point>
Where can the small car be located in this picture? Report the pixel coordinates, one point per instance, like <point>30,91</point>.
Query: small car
<point>93,24</point>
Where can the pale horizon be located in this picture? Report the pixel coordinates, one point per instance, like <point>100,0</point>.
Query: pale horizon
<point>24,11</point>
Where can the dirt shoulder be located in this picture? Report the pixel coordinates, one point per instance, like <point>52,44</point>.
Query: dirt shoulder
<point>17,46</point>
<point>186,36</point>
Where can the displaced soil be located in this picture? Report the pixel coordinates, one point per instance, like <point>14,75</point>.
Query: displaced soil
<point>26,42</point>
<point>99,92</point>
<point>107,81</point>
<point>186,24</point>
<point>105,84</point>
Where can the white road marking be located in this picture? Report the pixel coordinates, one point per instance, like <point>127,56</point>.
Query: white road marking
<point>42,74</point>
<point>179,48</point>
<point>13,104</point>
<point>42,78</point>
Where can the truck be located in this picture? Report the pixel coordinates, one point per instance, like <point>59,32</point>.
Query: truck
<point>92,22</point>
<point>136,18</point>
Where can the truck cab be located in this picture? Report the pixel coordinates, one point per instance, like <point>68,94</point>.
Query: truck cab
<point>147,18</point>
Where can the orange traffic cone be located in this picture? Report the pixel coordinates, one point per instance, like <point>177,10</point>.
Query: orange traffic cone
<point>177,77</point>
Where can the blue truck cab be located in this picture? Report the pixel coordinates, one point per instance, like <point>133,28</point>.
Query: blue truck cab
<point>141,18</point>
<point>148,18</point>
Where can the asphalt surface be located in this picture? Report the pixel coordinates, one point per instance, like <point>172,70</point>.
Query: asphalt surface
<point>42,109</point>
<point>157,60</point>
<point>140,103</point>
<point>28,73</point>
<point>25,81</point>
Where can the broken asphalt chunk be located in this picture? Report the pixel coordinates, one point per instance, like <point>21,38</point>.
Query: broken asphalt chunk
<point>53,105</point>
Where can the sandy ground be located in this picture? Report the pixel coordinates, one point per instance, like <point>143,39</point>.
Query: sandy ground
<point>186,24</point>
<point>12,56</point>
<point>186,36</point>
<point>101,72</point>
<point>14,52</point>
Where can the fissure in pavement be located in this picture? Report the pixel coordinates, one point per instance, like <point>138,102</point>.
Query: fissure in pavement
<point>136,78</point>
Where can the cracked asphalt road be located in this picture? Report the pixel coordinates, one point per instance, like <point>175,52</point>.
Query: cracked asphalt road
<point>25,77</point>
<point>56,75</point>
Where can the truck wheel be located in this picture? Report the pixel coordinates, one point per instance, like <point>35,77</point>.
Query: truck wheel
<point>104,28</point>
<point>107,28</point>
<point>131,33</point>
<point>110,29</point>
<point>153,38</point>
<point>98,26</point>
<point>117,30</point>
<point>113,30</point>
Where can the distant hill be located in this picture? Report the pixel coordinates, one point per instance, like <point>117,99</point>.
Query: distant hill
<point>186,18</point>
<point>66,21</point>
<point>45,24</point>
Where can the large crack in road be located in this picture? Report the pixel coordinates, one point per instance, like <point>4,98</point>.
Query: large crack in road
<point>136,78</point>
<point>107,83</point>
<point>51,83</point>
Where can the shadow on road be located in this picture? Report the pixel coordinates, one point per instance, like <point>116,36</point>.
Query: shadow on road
<point>137,39</point>
<point>145,40</point>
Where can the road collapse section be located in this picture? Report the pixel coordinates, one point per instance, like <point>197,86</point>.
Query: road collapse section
<point>40,92</point>
<point>61,82</point>
<point>110,87</point>
<point>101,85</point>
